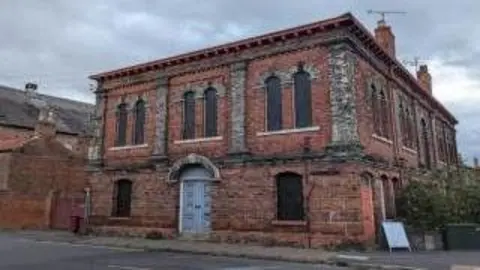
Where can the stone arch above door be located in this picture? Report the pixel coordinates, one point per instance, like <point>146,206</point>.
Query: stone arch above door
<point>192,159</point>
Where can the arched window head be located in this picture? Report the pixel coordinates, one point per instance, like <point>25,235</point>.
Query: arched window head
<point>210,109</point>
<point>189,115</point>
<point>139,124</point>
<point>122,198</point>
<point>121,125</point>
<point>302,98</point>
<point>289,196</point>
<point>274,103</point>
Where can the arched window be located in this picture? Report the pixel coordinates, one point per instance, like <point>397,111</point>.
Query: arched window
<point>426,144</point>
<point>403,123</point>
<point>289,197</point>
<point>375,110</point>
<point>302,98</point>
<point>384,115</point>
<point>210,109</point>
<point>189,115</point>
<point>121,125</point>
<point>410,137</point>
<point>139,127</point>
<point>122,198</point>
<point>274,103</point>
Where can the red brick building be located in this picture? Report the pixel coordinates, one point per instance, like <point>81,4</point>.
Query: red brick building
<point>40,178</point>
<point>294,137</point>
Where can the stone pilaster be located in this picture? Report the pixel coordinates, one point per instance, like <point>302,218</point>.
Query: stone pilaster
<point>342,97</point>
<point>237,117</point>
<point>97,128</point>
<point>160,141</point>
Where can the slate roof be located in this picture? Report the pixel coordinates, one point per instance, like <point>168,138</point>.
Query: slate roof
<point>15,110</point>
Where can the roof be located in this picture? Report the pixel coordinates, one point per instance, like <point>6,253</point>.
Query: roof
<point>15,110</point>
<point>346,20</point>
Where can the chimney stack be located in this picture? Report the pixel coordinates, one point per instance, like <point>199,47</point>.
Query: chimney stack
<point>30,90</point>
<point>424,78</point>
<point>46,126</point>
<point>385,37</point>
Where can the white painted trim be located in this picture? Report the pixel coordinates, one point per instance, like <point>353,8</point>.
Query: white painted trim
<point>410,150</point>
<point>380,138</point>
<point>116,148</point>
<point>180,211</point>
<point>207,139</point>
<point>288,131</point>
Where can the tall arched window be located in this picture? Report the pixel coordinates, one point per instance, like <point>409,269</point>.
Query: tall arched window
<point>139,127</point>
<point>121,125</point>
<point>289,197</point>
<point>210,108</point>
<point>274,103</point>
<point>410,133</point>
<point>189,115</point>
<point>403,124</point>
<point>426,144</point>
<point>375,110</point>
<point>122,198</point>
<point>303,98</point>
<point>384,115</point>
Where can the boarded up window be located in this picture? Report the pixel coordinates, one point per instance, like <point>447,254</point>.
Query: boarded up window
<point>122,198</point>
<point>122,118</point>
<point>274,103</point>
<point>139,128</point>
<point>210,109</point>
<point>303,99</point>
<point>289,197</point>
<point>189,116</point>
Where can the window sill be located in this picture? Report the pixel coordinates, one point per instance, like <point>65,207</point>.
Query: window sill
<point>382,139</point>
<point>288,131</point>
<point>208,139</point>
<point>289,223</point>
<point>119,218</point>
<point>409,150</point>
<point>118,148</point>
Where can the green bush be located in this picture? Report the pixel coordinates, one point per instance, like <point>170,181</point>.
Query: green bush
<point>444,197</point>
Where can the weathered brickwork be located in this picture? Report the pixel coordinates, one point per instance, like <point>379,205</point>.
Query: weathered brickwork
<point>349,174</point>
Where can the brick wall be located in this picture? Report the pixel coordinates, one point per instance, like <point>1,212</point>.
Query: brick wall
<point>45,166</point>
<point>19,211</point>
<point>243,205</point>
<point>5,161</point>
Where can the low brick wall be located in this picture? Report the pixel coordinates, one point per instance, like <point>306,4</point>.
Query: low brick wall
<point>23,212</point>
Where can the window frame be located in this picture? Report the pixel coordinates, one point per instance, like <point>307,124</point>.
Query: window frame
<point>269,127</point>
<point>121,131</point>
<point>289,208</point>
<point>122,207</point>
<point>214,130</point>
<point>138,139</point>
<point>188,129</point>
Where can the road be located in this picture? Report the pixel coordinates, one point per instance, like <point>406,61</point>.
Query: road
<point>21,254</point>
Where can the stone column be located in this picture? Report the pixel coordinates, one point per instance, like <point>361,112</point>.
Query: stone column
<point>160,141</point>
<point>97,128</point>
<point>237,117</point>
<point>342,97</point>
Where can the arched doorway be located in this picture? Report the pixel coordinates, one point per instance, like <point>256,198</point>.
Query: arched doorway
<point>195,200</point>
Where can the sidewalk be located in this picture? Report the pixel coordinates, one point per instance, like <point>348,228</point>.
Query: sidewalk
<point>313,256</point>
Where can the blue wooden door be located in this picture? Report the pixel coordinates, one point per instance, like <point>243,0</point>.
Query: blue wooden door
<point>196,206</point>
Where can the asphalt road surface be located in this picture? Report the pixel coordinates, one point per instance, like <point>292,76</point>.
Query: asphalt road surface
<point>22,254</point>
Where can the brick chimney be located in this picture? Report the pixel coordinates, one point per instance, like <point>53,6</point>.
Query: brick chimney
<point>424,78</point>
<point>385,37</point>
<point>46,125</point>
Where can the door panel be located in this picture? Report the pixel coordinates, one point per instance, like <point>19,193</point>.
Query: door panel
<point>196,206</point>
<point>188,211</point>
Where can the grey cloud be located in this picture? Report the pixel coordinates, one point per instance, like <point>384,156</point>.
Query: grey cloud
<point>59,43</point>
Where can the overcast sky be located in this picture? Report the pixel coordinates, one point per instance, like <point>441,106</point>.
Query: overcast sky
<point>59,43</point>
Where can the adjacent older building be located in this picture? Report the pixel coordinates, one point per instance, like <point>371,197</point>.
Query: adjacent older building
<point>43,150</point>
<point>20,110</point>
<point>298,137</point>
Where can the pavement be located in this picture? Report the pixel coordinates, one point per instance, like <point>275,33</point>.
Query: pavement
<point>279,256</point>
<point>19,253</point>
